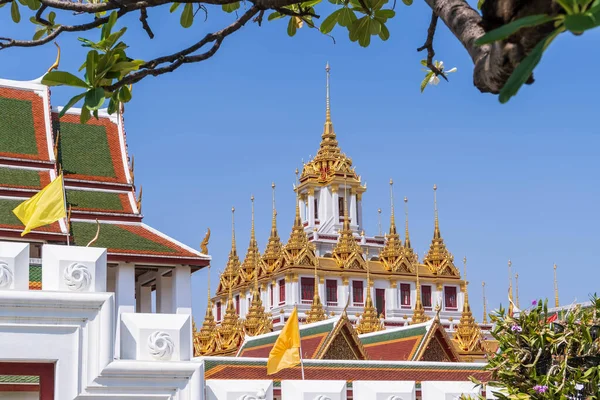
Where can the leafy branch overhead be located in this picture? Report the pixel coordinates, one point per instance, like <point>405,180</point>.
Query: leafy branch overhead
<point>505,41</point>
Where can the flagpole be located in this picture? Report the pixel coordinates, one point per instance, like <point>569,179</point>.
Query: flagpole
<point>62,176</point>
<point>301,359</point>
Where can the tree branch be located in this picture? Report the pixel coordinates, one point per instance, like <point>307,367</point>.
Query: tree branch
<point>144,21</point>
<point>429,46</point>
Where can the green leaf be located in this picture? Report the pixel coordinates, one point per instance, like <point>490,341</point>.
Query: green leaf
<point>94,98</point>
<point>291,29</point>
<point>329,22</point>
<point>58,78</point>
<point>577,23</point>
<point>347,17</point>
<point>70,104</point>
<point>14,12</point>
<point>124,94</point>
<point>509,29</point>
<point>385,14</point>
<point>187,16</point>
<point>480,4</point>
<point>85,115</point>
<point>407,2</point>
<point>231,7</point>
<point>375,27</point>
<point>521,74</point>
<point>51,17</point>
<point>275,15</point>
<point>385,33</point>
<point>426,80</point>
<point>90,66</point>
<point>112,105</point>
<point>174,7</point>
<point>361,31</point>
<point>107,27</point>
<point>109,42</point>
<point>38,34</point>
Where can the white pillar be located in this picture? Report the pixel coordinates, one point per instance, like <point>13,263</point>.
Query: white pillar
<point>311,207</point>
<point>353,209</point>
<point>124,298</point>
<point>336,204</point>
<point>163,294</point>
<point>303,215</point>
<point>181,290</point>
<point>359,219</point>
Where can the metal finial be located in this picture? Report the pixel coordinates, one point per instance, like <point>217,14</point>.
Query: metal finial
<point>328,108</point>
<point>556,302</point>
<point>379,220</point>
<point>233,249</point>
<point>485,320</point>
<point>406,235</point>
<point>517,288</point>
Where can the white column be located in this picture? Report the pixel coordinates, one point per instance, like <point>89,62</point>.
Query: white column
<point>359,219</point>
<point>294,290</point>
<point>163,294</point>
<point>124,298</point>
<point>343,290</point>
<point>336,203</point>
<point>145,302</point>
<point>303,215</point>
<point>353,209</point>
<point>181,290</point>
<point>311,207</point>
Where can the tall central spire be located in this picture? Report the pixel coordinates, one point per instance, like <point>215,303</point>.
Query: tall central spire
<point>391,254</point>
<point>273,257</point>
<point>252,254</point>
<point>438,259</point>
<point>419,315</point>
<point>329,143</point>
<point>436,230</point>
<point>369,320</point>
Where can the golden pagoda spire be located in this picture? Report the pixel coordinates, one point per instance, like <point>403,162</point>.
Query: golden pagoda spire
<point>379,220</point>
<point>438,259</point>
<point>419,315</point>
<point>556,302</point>
<point>369,320</point>
<point>298,250</point>
<point>328,138</point>
<point>516,288</point>
<point>409,253</point>
<point>316,312</point>
<point>230,275</point>
<point>273,257</point>
<point>347,253</point>
<point>252,254</point>
<point>257,321</point>
<point>510,289</point>
<point>467,333</point>
<point>230,334</point>
<point>391,254</point>
<point>485,320</point>
<point>205,341</point>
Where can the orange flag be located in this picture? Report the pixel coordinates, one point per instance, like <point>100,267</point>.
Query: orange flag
<point>286,351</point>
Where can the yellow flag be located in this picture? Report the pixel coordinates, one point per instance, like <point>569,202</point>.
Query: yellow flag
<point>286,351</point>
<point>44,208</point>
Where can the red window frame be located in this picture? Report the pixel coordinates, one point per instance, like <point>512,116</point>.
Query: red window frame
<point>282,291</point>
<point>405,295</point>
<point>307,289</point>
<point>357,293</point>
<point>426,296</point>
<point>450,298</point>
<point>218,306</point>
<point>331,292</point>
<point>341,206</point>
<point>380,301</point>
<point>237,304</point>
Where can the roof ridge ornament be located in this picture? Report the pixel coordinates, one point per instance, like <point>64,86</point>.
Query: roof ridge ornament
<point>438,259</point>
<point>468,333</point>
<point>248,265</point>
<point>369,320</point>
<point>230,274</point>
<point>419,315</point>
<point>316,312</point>
<point>273,258</point>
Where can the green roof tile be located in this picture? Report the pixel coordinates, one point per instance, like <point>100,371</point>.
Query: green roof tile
<point>17,133</point>
<point>20,379</point>
<point>35,273</point>
<point>384,336</point>
<point>6,215</point>
<point>19,177</point>
<point>94,200</point>
<point>115,237</point>
<point>84,150</point>
<point>304,332</point>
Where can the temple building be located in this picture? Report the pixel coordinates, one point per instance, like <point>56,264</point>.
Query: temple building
<point>330,268</point>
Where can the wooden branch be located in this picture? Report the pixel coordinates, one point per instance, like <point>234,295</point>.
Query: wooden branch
<point>144,21</point>
<point>429,46</point>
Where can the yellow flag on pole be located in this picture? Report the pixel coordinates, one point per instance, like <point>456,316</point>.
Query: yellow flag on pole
<point>286,351</point>
<point>46,207</point>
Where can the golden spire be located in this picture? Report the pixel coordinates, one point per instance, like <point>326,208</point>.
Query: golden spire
<point>298,250</point>
<point>273,257</point>
<point>347,253</point>
<point>468,333</point>
<point>438,259</point>
<point>257,321</point>
<point>516,288</point>
<point>419,315</point>
<point>252,254</point>
<point>230,334</point>
<point>391,254</point>
<point>379,220</point>
<point>485,320</point>
<point>205,340</point>
<point>556,302</point>
<point>409,253</point>
<point>229,276</point>
<point>316,312</point>
<point>510,289</point>
<point>328,138</point>
<point>369,320</point>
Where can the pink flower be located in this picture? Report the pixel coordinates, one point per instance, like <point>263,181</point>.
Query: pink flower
<point>516,328</point>
<point>540,388</point>
<point>534,302</point>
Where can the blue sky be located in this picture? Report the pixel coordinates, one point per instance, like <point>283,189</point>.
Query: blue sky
<point>515,181</point>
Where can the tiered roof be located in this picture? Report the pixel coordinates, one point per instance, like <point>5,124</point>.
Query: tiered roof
<point>35,146</point>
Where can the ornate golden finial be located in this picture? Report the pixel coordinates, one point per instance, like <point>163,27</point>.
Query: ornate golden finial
<point>57,62</point>
<point>347,253</point>
<point>556,302</point>
<point>316,312</point>
<point>273,258</point>
<point>406,235</point>
<point>204,244</point>
<point>328,109</point>
<point>56,142</point>
<point>205,341</point>
<point>419,315</point>
<point>485,320</point>
<point>438,259</point>
<point>392,217</point>
<point>298,250</point>
<point>132,170</point>
<point>139,201</point>
<point>230,275</point>
<point>230,334</point>
<point>252,254</point>
<point>517,288</point>
<point>379,220</point>
<point>393,255</point>
<point>257,321</point>
<point>369,321</point>
<point>468,333</point>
